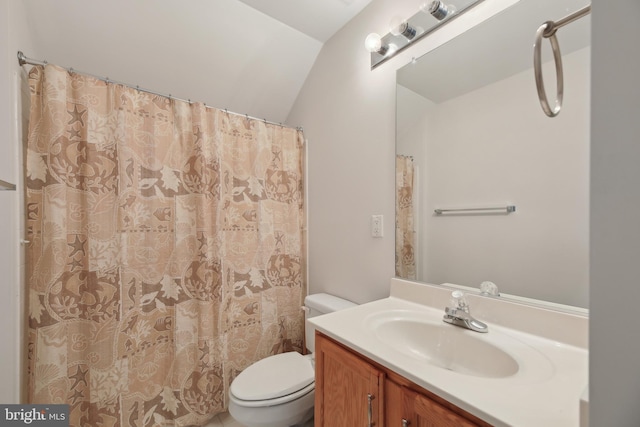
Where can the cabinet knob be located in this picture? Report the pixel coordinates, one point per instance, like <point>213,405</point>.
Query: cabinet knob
<point>405,422</point>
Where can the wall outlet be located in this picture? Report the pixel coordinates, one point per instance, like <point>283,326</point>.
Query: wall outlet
<point>377,229</point>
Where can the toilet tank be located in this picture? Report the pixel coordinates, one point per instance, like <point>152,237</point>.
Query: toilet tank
<point>317,304</point>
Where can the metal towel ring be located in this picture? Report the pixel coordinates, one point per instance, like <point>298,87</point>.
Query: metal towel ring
<point>548,30</point>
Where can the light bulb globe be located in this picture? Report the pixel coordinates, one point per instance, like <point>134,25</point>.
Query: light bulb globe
<point>397,25</point>
<point>424,5</point>
<point>373,42</point>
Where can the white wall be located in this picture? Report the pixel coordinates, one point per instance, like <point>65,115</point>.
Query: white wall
<point>493,146</point>
<point>614,372</point>
<point>348,114</point>
<point>14,33</point>
<point>8,261</point>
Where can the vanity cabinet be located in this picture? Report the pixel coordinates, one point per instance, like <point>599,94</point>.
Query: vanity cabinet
<point>349,390</point>
<point>352,390</point>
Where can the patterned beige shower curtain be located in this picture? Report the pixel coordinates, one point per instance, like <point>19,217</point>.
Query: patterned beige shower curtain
<point>165,254</point>
<point>405,231</point>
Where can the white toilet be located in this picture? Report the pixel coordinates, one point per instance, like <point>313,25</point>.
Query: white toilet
<point>279,391</point>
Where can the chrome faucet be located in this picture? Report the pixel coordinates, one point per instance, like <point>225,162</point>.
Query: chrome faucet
<point>459,314</point>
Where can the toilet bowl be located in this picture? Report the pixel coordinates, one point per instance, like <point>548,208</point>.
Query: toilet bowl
<point>278,391</point>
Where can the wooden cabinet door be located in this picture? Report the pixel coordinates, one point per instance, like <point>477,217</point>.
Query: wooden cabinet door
<point>349,390</point>
<point>393,409</point>
<point>420,411</point>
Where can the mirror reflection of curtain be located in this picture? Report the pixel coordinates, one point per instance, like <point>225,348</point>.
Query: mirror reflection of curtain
<point>405,231</point>
<point>165,254</point>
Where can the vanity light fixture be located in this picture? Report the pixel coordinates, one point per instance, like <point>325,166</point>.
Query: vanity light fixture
<point>404,32</point>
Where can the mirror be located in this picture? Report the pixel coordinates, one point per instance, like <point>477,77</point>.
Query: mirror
<point>471,134</point>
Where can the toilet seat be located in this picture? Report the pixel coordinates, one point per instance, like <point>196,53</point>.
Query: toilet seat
<point>274,380</point>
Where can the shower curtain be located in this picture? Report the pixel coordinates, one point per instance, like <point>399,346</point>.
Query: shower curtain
<point>405,233</point>
<point>165,255</point>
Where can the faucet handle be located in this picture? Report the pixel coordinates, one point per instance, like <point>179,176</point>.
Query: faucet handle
<point>459,301</point>
<point>489,288</point>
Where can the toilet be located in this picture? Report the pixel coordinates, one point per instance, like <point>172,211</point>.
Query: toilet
<point>278,391</point>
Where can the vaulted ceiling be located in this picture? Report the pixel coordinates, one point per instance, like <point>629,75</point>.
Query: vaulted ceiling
<point>319,19</point>
<point>249,56</point>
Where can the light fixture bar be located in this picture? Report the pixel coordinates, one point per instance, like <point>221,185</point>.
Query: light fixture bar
<point>424,22</point>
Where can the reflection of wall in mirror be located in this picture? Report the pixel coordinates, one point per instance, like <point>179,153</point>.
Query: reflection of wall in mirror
<point>411,130</point>
<point>494,145</point>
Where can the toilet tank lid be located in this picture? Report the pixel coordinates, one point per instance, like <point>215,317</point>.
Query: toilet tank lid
<point>326,303</point>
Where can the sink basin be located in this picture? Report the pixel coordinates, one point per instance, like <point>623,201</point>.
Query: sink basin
<point>443,345</point>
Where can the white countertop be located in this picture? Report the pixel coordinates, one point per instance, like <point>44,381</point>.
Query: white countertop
<point>553,362</point>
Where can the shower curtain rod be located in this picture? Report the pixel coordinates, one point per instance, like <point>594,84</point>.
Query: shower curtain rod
<point>23,60</point>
